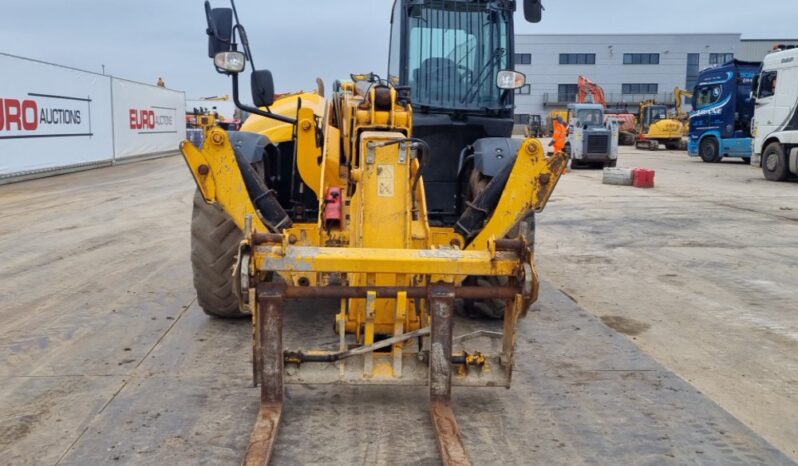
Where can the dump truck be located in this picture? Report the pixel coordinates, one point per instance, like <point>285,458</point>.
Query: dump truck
<point>396,196</point>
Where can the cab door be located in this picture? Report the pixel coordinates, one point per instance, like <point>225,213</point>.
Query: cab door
<point>574,134</point>
<point>786,97</point>
<point>765,113</point>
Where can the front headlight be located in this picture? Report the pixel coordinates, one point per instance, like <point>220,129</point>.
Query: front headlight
<point>232,62</point>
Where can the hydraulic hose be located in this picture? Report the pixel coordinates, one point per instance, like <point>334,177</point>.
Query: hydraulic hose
<point>263,198</point>
<point>480,209</point>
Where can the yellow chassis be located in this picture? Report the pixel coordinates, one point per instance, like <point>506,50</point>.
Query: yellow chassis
<point>395,275</point>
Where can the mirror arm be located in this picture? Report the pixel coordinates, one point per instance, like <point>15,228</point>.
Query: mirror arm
<point>256,110</point>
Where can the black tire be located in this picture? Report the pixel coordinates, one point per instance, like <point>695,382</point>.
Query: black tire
<point>214,245</point>
<point>626,138</point>
<point>611,164</point>
<point>674,145</point>
<point>774,162</point>
<point>494,308</point>
<point>709,151</point>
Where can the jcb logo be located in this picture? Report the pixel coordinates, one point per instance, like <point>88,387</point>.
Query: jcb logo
<point>142,119</point>
<point>16,115</point>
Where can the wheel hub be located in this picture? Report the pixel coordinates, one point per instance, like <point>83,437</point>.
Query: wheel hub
<point>771,160</point>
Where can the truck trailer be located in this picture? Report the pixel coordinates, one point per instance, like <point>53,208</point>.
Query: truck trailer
<point>720,123</point>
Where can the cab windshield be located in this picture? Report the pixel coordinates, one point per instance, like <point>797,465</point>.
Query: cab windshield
<point>592,116</point>
<point>657,113</point>
<point>455,49</point>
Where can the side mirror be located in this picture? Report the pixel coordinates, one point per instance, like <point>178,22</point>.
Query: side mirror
<point>220,29</point>
<point>507,79</point>
<point>533,11</point>
<point>262,88</point>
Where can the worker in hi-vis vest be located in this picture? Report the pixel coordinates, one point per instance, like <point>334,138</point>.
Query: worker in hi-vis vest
<point>560,134</point>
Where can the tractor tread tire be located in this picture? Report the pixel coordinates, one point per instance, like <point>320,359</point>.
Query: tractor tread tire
<point>214,245</point>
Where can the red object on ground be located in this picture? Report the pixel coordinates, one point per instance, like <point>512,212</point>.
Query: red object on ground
<point>332,208</point>
<point>643,178</point>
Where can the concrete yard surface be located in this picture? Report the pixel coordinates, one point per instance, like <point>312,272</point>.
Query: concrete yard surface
<point>701,272</point>
<point>106,358</point>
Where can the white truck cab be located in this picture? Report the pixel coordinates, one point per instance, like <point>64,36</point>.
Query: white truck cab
<point>775,123</point>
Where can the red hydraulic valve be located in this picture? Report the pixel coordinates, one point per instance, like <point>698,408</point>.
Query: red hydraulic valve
<point>333,209</point>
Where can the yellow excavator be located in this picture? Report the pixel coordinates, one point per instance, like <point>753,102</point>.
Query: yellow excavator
<point>394,196</point>
<point>654,127</point>
<point>679,95</point>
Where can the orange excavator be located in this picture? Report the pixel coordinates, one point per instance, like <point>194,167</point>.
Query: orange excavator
<point>626,121</point>
<point>591,89</point>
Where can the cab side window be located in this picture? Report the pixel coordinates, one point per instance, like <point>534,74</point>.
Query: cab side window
<point>767,84</point>
<point>396,39</point>
<point>707,95</point>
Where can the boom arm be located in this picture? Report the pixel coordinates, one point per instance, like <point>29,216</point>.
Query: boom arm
<point>588,87</point>
<point>678,95</point>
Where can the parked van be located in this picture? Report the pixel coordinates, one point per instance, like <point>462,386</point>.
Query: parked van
<point>775,125</point>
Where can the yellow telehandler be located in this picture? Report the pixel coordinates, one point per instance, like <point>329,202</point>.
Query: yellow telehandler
<point>394,196</point>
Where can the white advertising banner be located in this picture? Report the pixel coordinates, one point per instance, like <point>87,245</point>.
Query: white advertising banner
<point>147,119</point>
<point>52,116</point>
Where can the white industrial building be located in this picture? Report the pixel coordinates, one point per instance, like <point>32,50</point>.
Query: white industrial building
<point>630,67</point>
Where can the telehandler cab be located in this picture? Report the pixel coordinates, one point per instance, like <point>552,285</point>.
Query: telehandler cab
<point>396,196</point>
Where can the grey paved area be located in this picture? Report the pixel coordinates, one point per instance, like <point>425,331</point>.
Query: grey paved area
<point>105,359</point>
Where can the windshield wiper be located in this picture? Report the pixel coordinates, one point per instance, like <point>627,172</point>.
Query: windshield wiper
<point>481,77</point>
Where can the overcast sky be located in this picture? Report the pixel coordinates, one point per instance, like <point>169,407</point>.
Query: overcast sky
<point>301,39</point>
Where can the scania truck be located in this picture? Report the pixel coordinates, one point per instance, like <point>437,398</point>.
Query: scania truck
<point>775,124</point>
<point>720,123</point>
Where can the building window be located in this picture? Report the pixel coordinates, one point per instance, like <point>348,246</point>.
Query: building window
<point>521,118</point>
<point>526,89</point>
<point>720,58</point>
<point>641,59</point>
<point>523,58</point>
<point>567,92</point>
<point>691,77</point>
<point>577,59</point>
<point>640,88</point>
